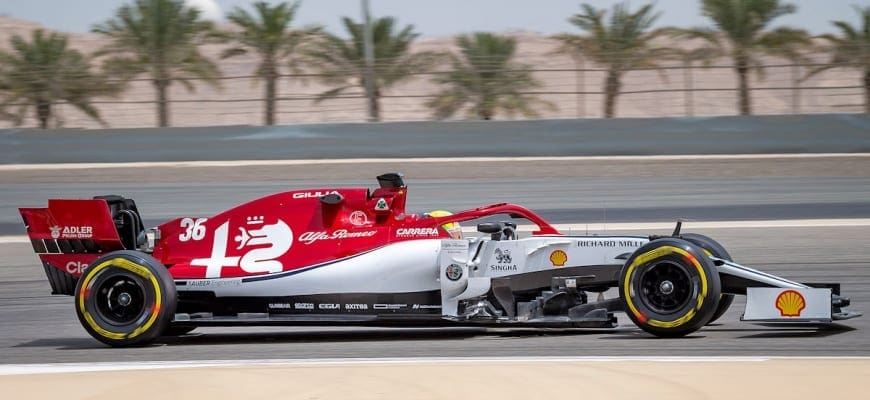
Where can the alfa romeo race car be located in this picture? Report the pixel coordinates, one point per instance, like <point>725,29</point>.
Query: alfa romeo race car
<point>353,256</point>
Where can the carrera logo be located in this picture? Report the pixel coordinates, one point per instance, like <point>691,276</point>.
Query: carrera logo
<point>790,303</point>
<point>313,195</point>
<point>406,232</point>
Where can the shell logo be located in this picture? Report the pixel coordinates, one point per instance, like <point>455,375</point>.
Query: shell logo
<point>558,258</point>
<point>790,303</point>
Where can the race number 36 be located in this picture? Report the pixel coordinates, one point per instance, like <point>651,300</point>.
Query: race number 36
<point>193,229</point>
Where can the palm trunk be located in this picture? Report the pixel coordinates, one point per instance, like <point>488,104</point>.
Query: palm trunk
<point>742,67</point>
<point>581,87</point>
<point>270,75</point>
<point>611,92</point>
<point>484,107</point>
<point>43,113</point>
<point>376,104</point>
<point>269,113</point>
<point>485,114</point>
<point>161,86</point>
<point>687,82</point>
<point>795,88</point>
<point>867,90</point>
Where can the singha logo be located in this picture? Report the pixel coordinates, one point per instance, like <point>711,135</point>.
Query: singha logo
<point>503,256</point>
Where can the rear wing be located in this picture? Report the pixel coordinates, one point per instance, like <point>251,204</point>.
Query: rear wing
<point>71,226</point>
<point>68,235</point>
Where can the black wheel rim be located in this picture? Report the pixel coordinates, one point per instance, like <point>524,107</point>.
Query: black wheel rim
<point>120,299</point>
<point>666,287</point>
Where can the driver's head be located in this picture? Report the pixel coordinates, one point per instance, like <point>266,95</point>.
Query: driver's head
<point>452,228</point>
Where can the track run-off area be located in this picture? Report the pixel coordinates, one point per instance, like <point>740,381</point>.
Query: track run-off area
<point>804,218</point>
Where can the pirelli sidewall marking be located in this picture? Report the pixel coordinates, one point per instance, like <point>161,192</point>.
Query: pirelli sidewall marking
<point>129,266</point>
<point>652,255</point>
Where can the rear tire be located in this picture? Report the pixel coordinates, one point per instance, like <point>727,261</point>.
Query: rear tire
<point>716,250</point>
<point>669,287</point>
<point>125,298</point>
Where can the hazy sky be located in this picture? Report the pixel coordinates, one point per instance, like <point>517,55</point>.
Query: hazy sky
<point>435,18</point>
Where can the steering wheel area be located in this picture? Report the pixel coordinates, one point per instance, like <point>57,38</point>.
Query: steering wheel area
<point>504,230</point>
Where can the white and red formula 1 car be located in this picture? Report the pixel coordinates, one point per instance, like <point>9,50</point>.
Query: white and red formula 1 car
<point>339,256</point>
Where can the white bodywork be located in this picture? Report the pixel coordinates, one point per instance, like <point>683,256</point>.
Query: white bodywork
<point>511,257</point>
<point>422,265</point>
<point>417,265</point>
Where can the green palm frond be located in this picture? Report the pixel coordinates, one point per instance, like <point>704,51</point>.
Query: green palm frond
<point>162,36</point>
<point>267,33</point>
<point>621,41</point>
<point>851,49</point>
<point>43,71</point>
<point>340,62</point>
<point>743,24</point>
<point>618,39</point>
<point>485,81</point>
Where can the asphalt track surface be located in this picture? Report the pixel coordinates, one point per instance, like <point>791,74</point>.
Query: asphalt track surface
<point>38,328</point>
<point>593,191</point>
<point>820,133</point>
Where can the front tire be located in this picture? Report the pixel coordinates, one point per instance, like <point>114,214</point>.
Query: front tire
<point>125,298</point>
<point>715,249</point>
<point>670,287</point>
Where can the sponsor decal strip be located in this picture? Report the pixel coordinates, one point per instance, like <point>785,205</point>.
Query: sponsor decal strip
<point>581,228</point>
<point>256,163</point>
<point>28,369</point>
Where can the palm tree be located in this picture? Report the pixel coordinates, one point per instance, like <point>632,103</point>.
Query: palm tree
<point>341,63</point>
<point>620,44</point>
<point>267,34</point>
<point>742,23</point>
<point>852,49</point>
<point>43,72</point>
<point>159,38</point>
<point>487,80</point>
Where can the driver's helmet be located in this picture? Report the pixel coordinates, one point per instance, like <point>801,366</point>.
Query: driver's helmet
<point>452,228</point>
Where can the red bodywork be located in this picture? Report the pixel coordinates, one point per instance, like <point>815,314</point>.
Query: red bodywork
<point>276,233</point>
